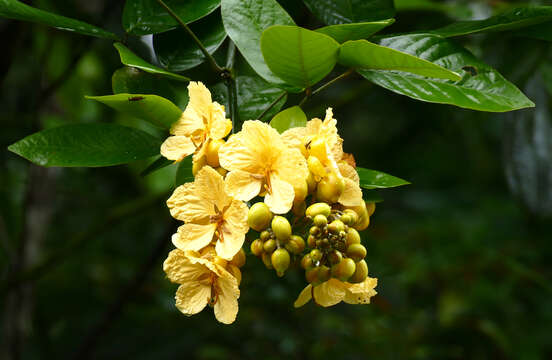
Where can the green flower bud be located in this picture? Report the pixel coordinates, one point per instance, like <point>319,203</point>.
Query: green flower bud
<point>360,274</point>
<point>281,228</point>
<point>280,261</point>
<point>336,226</point>
<point>267,260</point>
<point>259,216</point>
<point>269,246</point>
<point>257,247</point>
<point>353,237</point>
<point>335,257</point>
<point>316,255</point>
<point>344,269</point>
<point>311,241</point>
<point>238,259</point>
<point>330,188</point>
<point>324,273</point>
<point>356,252</point>
<point>314,230</point>
<point>320,220</point>
<point>306,262</point>
<point>353,216</point>
<point>265,235</point>
<point>295,245</point>
<point>346,219</point>
<point>318,209</point>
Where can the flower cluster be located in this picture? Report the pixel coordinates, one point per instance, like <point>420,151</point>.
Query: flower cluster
<point>260,181</point>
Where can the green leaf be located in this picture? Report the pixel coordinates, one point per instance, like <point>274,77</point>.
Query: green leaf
<point>155,109</point>
<point>160,163</point>
<point>89,145</point>
<point>141,17</point>
<point>356,31</point>
<point>245,21</point>
<point>177,51</point>
<point>130,59</point>
<point>13,9</point>
<point>372,196</point>
<point>334,12</point>
<point>481,88</point>
<point>130,80</point>
<point>541,31</point>
<point>299,56</point>
<point>184,172</point>
<point>367,55</point>
<point>509,20</point>
<point>289,118</point>
<point>372,179</point>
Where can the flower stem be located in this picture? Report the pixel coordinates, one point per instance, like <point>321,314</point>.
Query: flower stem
<point>230,81</point>
<point>337,78</point>
<point>265,111</point>
<point>209,57</point>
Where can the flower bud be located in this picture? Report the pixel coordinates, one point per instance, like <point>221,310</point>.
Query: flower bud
<point>238,259</point>
<point>345,218</point>
<point>317,147</point>
<point>330,188</point>
<point>259,216</point>
<point>269,246</point>
<point>265,235</point>
<point>324,273</point>
<point>212,152</point>
<point>280,261</point>
<point>319,208</point>
<point>316,255</point>
<point>362,223</point>
<point>316,167</point>
<point>306,262</point>
<point>353,216</point>
<point>301,191</point>
<point>314,230</point>
<point>320,220</point>
<point>311,275</point>
<point>344,269</point>
<point>281,228</point>
<point>267,260</point>
<point>360,274</point>
<point>353,237</point>
<point>336,227</point>
<point>311,241</point>
<point>311,183</point>
<point>257,247</point>
<point>335,257</point>
<point>356,252</point>
<point>295,245</point>
<point>197,165</point>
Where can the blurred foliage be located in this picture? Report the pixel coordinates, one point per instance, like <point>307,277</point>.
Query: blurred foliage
<point>463,262</point>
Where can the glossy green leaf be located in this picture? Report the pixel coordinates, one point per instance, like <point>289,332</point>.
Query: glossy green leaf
<point>355,31</point>
<point>89,145</point>
<point>367,55</point>
<point>160,163</point>
<point>299,56</point>
<point>334,12</point>
<point>131,59</point>
<point>481,88</point>
<point>289,118</point>
<point>541,31</point>
<point>372,196</point>
<point>141,17</point>
<point>184,172</point>
<point>245,21</point>
<point>13,9</point>
<point>177,51</point>
<point>509,20</point>
<point>155,109</point>
<point>372,179</point>
<point>134,81</point>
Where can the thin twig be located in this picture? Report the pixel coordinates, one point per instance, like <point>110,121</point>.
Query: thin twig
<point>265,111</point>
<point>229,76</point>
<point>337,78</point>
<point>198,42</point>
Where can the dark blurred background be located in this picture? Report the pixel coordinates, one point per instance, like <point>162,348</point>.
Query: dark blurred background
<point>462,255</point>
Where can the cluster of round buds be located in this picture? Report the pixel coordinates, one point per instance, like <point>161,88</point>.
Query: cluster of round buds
<point>336,249</point>
<point>276,241</point>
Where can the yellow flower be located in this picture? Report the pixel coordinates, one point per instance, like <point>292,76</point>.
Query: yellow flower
<point>201,122</point>
<point>259,161</point>
<point>203,281</point>
<point>208,211</point>
<point>334,291</point>
<point>319,139</point>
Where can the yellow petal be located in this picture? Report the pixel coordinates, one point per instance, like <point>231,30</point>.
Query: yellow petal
<point>347,171</point>
<point>190,123</point>
<point>234,229</point>
<point>351,195</point>
<point>192,297</point>
<point>304,297</point>
<point>177,147</point>
<point>294,137</point>
<point>185,204</point>
<point>209,185</point>
<point>226,306</point>
<point>179,268</point>
<point>329,293</point>
<point>280,199</point>
<point>193,236</point>
<point>291,166</point>
<point>313,126</point>
<point>241,185</point>
<point>200,99</point>
<point>219,123</point>
<point>361,293</point>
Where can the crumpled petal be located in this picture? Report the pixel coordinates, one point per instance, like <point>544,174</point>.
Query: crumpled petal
<point>329,293</point>
<point>226,306</point>
<point>304,297</point>
<point>351,195</point>
<point>280,199</point>
<point>361,293</point>
<point>185,204</point>
<point>241,185</point>
<point>234,229</point>
<point>193,236</point>
<point>192,297</point>
<point>347,171</point>
<point>219,124</point>
<point>294,137</point>
<point>177,147</point>
<point>200,98</point>
<point>291,166</point>
<point>209,185</point>
<point>179,268</point>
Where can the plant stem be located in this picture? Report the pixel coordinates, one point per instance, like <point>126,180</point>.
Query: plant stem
<point>230,81</point>
<point>265,111</point>
<point>337,78</point>
<point>209,57</point>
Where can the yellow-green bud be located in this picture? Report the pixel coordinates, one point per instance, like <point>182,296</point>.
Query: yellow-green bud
<point>306,262</point>
<point>320,220</point>
<point>314,230</point>
<point>238,259</point>
<point>335,257</point>
<point>311,241</point>
<point>301,191</point>
<point>257,247</point>
<point>353,216</point>
<point>280,261</point>
<point>312,275</point>
<point>344,269</point>
<point>211,154</point>
<point>356,252</point>
<point>353,237</point>
<point>360,274</point>
<point>316,167</point>
<point>269,246</point>
<point>295,245</point>
<point>330,188</point>
<point>336,226</point>
<point>267,260</point>
<point>316,255</point>
<point>281,228</point>
<point>318,209</point>
<point>265,235</point>
<point>259,216</point>
<point>324,273</point>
